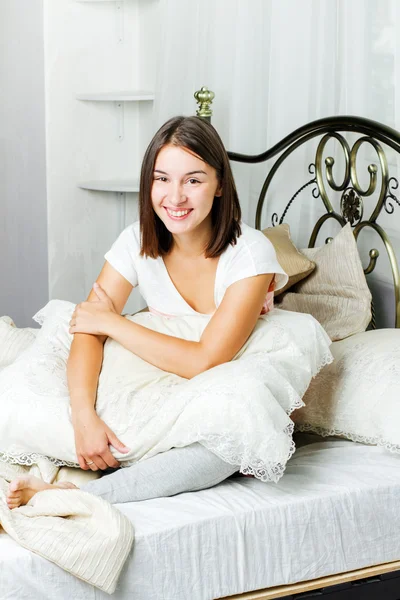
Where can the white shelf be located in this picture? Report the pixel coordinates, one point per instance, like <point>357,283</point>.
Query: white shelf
<point>99,0</point>
<point>122,185</point>
<point>121,96</point>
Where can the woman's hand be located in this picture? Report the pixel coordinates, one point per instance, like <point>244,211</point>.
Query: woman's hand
<point>92,440</point>
<point>93,317</point>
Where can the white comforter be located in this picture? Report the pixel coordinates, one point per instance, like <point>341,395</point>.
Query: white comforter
<point>239,410</point>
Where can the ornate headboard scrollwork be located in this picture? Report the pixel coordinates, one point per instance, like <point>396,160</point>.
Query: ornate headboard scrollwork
<point>353,207</point>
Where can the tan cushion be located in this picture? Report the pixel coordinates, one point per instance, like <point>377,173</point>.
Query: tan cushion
<point>336,293</point>
<point>292,261</point>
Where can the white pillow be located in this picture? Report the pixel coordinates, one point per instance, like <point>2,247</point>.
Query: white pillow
<point>239,409</point>
<point>13,340</point>
<point>358,395</point>
<point>336,293</point>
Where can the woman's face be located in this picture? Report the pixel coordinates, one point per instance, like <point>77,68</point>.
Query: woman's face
<point>183,190</point>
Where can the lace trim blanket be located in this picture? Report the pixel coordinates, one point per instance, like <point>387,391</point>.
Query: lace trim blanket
<point>238,410</point>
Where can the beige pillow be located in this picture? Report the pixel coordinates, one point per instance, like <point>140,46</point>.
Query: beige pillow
<point>357,395</point>
<point>293,262</point>
<point>336,293</point>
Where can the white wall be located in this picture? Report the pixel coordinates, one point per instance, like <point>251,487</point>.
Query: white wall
<point>23,219</point>
<point>84,54</point>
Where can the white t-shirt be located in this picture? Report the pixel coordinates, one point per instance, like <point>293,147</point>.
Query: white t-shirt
<point>252,254</point>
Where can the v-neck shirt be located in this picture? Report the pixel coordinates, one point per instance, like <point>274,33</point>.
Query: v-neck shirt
<point>253,254</point>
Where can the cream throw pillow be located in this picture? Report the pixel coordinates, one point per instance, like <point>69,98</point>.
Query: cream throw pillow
<point>292,261</point>
<point>357,396</point>
<point>336,293</point>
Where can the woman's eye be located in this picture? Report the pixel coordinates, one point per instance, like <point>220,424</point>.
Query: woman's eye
<point>193,180</point>
<point>161,179</point>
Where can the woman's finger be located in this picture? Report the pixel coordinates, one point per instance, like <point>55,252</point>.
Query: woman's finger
<point>116,443</point>
<point>109,459</point>
<point>99,462</point>
<point>82,463</point>
<point>91,464</point>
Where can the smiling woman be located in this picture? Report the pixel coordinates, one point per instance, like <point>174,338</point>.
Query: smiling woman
<point>191,255</point>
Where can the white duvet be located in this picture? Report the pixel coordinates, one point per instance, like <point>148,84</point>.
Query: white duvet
<point>239,410</point>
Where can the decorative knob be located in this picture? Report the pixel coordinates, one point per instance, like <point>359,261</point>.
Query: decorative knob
<point>204,98</point>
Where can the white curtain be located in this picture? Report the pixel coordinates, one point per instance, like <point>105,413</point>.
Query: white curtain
<point>275,65</point>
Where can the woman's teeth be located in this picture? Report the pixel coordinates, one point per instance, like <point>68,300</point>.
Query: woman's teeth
<point>177,213</point>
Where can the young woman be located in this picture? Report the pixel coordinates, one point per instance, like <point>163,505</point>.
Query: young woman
<point>190,254</point>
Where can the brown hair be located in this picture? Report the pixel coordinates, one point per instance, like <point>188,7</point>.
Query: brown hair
<point>200,137</point>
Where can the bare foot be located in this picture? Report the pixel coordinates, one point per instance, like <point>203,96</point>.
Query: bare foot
<point>21,490</point>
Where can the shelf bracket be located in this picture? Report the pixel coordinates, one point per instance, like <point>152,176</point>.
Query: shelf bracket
<point>119,15</point>
<point>121,197</point>
<point>120,120</point>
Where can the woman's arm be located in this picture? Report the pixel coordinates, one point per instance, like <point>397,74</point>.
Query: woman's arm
<point>92,436</point>
<point>86,354</point>
<point>83,370</point>
<point>225,334</point>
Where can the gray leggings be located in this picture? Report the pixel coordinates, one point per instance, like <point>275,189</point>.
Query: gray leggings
<point>177,470</point>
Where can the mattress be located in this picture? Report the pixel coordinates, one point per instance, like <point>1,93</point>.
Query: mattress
<point>335,509</point>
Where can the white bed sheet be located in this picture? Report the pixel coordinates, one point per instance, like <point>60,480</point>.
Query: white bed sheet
<point>335,509</point>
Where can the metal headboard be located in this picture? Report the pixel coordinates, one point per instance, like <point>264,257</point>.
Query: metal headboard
<point>351,201</point>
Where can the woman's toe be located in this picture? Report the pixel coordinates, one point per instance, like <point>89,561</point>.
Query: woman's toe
<point>17,485</point>
<point>21,489</point>
<point>13,502</point>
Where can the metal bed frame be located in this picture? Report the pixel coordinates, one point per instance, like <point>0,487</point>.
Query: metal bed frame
<point>376,581</point>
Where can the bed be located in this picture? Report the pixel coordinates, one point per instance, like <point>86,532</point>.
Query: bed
<point>330,526</point>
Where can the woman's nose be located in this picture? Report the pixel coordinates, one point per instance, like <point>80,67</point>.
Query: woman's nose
<point>176,195</point>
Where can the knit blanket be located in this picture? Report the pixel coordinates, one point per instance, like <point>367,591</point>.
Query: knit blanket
<point>81,533</point>
<point>238,410</point>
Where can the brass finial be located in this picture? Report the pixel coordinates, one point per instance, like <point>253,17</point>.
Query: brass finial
<point>204,98</point>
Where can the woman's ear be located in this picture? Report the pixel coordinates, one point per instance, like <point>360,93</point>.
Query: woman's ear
<point>218,193</point>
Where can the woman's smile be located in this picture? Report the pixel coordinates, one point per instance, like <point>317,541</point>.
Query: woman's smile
<point>178,215</point>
